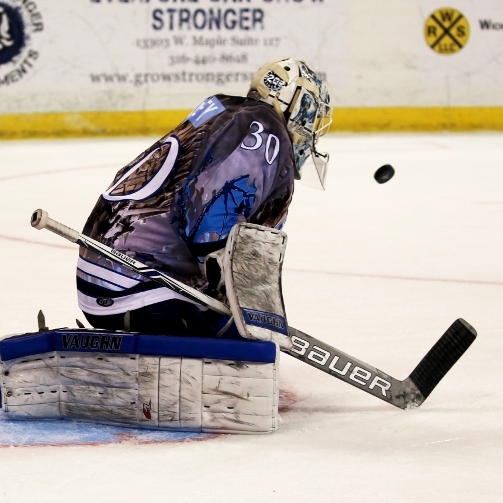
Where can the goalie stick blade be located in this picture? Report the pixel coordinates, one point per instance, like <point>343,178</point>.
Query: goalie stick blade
<point>442,356</point>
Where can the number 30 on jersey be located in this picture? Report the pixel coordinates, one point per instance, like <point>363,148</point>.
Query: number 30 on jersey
<point>257,140</point>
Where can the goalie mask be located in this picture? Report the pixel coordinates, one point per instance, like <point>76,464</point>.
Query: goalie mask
<point>299,95</point>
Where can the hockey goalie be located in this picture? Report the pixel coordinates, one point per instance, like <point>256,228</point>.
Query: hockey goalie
<point>205,206</point>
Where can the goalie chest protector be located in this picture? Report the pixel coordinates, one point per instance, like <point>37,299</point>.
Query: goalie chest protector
<point>141,380</point>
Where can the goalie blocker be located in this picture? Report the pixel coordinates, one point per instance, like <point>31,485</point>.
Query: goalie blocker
<point>250,268</point>
<point>141,380</point>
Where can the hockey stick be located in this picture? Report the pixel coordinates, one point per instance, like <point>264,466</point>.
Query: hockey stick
<point>409,393</point>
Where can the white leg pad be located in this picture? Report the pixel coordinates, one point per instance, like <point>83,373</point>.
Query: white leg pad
<point>159,392</point>
<point>191,383</point>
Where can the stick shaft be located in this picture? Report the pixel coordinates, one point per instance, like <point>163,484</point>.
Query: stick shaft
<point>344,367</point>
<point>406,394</point>
<point>40,220</point>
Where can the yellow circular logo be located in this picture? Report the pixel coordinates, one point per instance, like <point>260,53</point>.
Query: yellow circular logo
<point>446,31</point>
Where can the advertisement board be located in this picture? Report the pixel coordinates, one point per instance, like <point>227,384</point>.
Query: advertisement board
<point>135,66</point>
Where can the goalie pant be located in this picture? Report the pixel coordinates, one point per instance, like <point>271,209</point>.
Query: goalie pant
<point>172,383</point>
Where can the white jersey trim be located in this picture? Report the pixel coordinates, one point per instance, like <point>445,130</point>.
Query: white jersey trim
<point>105,274</point>
<point>130,302</point>
<point>89,278</point>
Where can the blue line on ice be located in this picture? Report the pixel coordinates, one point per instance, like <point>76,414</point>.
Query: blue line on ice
<point>63,432</point>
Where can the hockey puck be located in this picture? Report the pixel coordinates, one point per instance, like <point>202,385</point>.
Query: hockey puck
<point>384,173</point>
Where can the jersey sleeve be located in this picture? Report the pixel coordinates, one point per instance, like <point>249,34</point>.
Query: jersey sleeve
<point>245,174</point>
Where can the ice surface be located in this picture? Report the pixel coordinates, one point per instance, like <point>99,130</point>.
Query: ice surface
<point>378,271</point>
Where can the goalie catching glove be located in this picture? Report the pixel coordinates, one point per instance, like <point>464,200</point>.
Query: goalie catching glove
<point>250,267</point>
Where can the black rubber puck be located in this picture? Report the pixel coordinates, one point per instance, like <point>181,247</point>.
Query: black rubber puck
<point>384,173</point>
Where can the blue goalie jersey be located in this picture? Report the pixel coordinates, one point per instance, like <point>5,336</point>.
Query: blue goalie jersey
<point>230,161</point>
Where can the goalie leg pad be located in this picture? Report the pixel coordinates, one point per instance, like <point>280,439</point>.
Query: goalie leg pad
<point>221,393</point>
<point>252,267</point>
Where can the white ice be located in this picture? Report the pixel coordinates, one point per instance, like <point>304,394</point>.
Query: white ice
<point>378,271</point>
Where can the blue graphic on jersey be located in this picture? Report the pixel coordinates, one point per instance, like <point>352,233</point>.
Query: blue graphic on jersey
<point>205,111</point>
<point>234,199</point>
<point>12,33</point>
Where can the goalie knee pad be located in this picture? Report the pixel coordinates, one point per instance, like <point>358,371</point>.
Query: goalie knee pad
<point>252,268</point>
<point>140,380</point>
